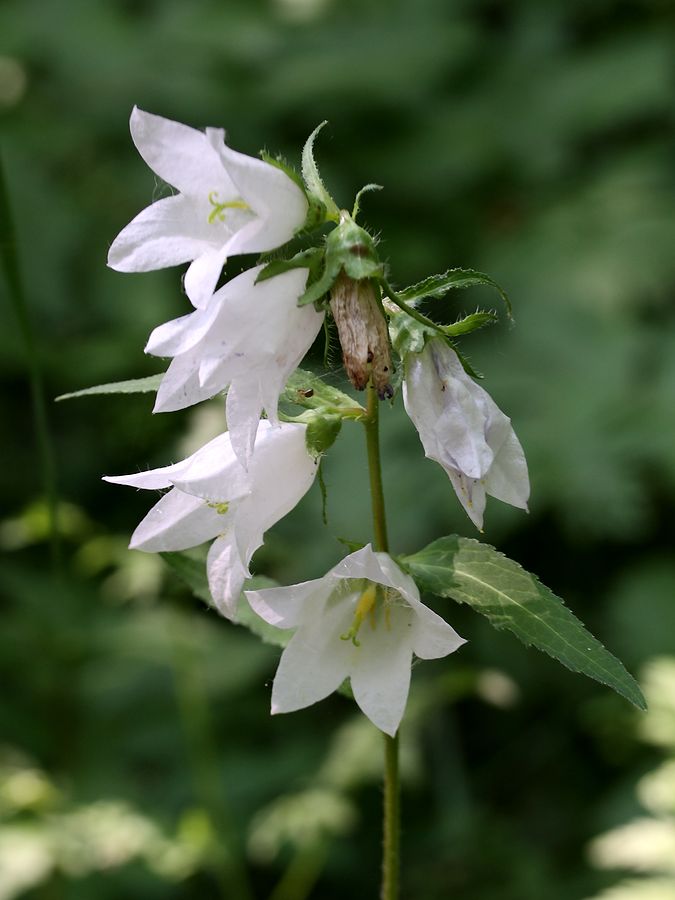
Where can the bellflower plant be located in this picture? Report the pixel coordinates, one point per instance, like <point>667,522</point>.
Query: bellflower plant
<point>364,620</point>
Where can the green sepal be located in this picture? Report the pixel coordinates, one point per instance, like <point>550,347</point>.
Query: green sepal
<point>407,334</point>
<point>410,336</point>
<point>313,182</point>
<point>352,546</point>
<point>472,322</point>
<point>322,432</point>
<point>306,259</point>
<point>350,248</point>
<point>280,162</point>
<point>355,249</point>
<point>191,569</point>
<point>310,391</point>
<point>323,283</point>
<point>439,285</point>
<point>511,598</point>
<point>133,386</point>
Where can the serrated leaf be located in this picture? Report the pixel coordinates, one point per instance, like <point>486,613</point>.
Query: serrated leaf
<point>439,285</point>
<point>511,598</point>
<point>313,181</point>
<point>191,570</point>
<point>133,386</point>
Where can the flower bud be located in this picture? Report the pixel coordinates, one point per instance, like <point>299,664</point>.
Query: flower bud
<point>363,333</point>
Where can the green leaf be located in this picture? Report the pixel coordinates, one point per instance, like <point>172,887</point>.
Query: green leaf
<point>439,285</point>
<point>191,569</point>
<point>306,259</point>
<point>312,178</point>
<point>311,392</point>
<point>513,599</point>
<point>133,386</point>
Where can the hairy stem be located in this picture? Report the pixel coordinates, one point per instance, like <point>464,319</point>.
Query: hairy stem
<point>391,812</point>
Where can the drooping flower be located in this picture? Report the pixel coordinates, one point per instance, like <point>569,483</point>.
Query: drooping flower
<point>229,203</point>
<point>213,496</point>
<point>363,621</point>
<point>463,429</point>
<point>249,336</point>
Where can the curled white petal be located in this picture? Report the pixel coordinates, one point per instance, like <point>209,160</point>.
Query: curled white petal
<point>464,430</point>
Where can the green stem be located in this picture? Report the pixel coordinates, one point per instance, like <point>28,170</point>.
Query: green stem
<point>372,426</point>
<point>391,812</point>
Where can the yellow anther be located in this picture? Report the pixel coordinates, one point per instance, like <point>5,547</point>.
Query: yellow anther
<point>218,211</point>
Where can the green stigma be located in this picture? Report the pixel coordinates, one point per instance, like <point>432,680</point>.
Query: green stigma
<point>220,508</point>
<point>218,211</point>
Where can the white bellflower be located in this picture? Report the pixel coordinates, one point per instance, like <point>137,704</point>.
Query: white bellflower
<point>213,496</point>
<point>250,337</point>
<point>463,429</point>
<point>228,204</point>
<point>363,621</point>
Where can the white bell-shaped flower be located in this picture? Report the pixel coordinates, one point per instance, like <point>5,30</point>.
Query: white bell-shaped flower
<point>213,496</point>
<point>463,429</point>
<point>229,203</point>
<point>363,621</point>
<point>250,337</point>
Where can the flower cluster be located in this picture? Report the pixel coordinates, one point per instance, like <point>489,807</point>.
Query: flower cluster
<point>364,620</point>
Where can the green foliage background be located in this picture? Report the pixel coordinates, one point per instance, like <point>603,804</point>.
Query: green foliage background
<point>531,140</point>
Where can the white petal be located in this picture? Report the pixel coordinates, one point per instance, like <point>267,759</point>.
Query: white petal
<point>226,574</point>
<point>279,202</point>
<point>177,522</point>
<point>508,479</point>
<point>180,335</point>
<point>153,479</point>
<point>167,233</point>
<point>242,411</point>
<point>180,155</point>
<point>447,408</point>
<point>281,472</point>
<point>202,276</point>
<point>180,386</point>
<point>316,660</point>
<point>431,635</point>
<point>214,473</point>
<point>377,567</point>
<point>380,673</point>
<point>284,607</point>
<point>471,494</point>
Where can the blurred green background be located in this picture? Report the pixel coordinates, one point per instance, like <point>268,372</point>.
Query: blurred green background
<point>532,140</point>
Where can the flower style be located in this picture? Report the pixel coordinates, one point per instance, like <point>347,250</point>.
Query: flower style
<point>464,430</point>
<point>229,203</point>
<point>249,336</point>
<point>213,496</point>
<point>362,620</point>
